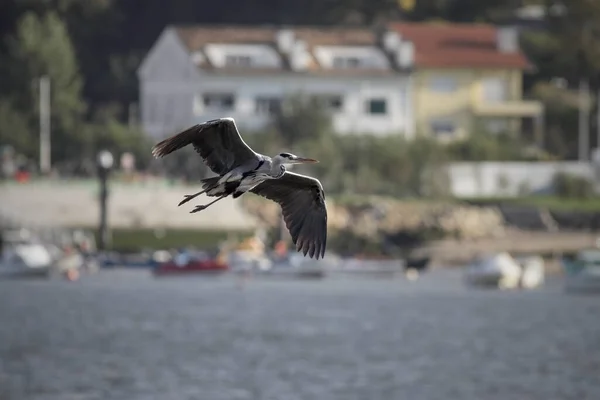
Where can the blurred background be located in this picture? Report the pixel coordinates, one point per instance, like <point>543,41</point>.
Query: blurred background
<point>458,145</point>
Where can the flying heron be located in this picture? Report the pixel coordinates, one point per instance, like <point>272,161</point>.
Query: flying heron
<point>240,169</point>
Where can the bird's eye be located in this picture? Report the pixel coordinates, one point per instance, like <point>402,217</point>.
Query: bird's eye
<point>285,155</point>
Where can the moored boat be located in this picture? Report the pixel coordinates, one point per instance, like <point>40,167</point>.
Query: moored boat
<point>582,274</point>
<point>24,257</point>
<point>495,270</point>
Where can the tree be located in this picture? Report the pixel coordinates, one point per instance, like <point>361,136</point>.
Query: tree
<point>42,47</point>
<point>14,130</point>
<point>568,50</point>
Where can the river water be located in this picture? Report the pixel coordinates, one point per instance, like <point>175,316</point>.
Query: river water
<point>124,335</point>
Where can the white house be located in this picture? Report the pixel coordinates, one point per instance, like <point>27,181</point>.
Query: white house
<point>194,74</point>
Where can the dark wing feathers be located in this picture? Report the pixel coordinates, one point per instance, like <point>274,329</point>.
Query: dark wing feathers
<point>304,210</point>
<point>218,142</point>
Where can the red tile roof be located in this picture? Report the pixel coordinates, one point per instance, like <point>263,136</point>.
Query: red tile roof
<point>457,46</point>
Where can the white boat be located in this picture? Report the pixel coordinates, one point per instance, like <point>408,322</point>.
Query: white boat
<point>496,270</point>
<point>582,275</point>
<point>533,271</point>
<point>23,257</point>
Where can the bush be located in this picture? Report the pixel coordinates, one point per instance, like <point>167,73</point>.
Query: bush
<point>483,146</point>
<point>572,186</point>
<point>354,163</point>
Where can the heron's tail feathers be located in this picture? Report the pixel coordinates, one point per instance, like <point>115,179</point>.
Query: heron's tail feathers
<point>213,188</point>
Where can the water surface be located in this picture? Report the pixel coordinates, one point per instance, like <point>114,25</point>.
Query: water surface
<point>124,335</point>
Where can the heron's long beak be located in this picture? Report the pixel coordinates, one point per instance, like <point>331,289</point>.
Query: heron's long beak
<point>301,160</point>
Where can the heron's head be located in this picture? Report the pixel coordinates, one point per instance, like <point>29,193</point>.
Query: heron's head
<point>287,158</point>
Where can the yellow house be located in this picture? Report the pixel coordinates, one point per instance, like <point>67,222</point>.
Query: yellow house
<point>468,78</point>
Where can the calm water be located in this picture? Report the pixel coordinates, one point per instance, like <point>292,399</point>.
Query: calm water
<point>124,336</point>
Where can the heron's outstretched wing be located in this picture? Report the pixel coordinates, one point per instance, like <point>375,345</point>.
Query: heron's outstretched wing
<point>218,142</point>
<point>302,202</point>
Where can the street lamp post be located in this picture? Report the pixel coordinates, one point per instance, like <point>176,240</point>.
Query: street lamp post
<point>105,163</point>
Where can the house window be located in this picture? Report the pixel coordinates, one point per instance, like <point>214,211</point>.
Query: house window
<point>377,106</point>
<point>346,62</point>
<point>495,90</point>
<point>443,127</point>
<point>443,84</point>
<point>219,101</point>
<point>268,105</point>
<point>238,61</point>
<point>335,103</point>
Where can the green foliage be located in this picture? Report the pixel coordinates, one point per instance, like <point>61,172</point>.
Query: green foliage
<point>561,119</point>
<point>567,49</point>
<point>485,146</point>
<point>42,46</point>
<point>573,186</point>
<point>301,118</point>
<point>14,130</point>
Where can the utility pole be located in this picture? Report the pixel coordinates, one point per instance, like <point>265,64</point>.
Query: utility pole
<point>584,127</point>
<point>45,142</point>
<point>598,119</point>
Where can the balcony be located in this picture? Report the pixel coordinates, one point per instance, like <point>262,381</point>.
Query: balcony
<point>511,108</point>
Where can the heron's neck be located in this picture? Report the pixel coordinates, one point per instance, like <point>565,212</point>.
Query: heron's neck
<point>277,167</point>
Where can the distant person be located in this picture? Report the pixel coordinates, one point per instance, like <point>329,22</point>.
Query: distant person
<point>182,258</point>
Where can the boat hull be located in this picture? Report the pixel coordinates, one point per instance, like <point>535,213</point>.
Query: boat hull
<point>204,268</point>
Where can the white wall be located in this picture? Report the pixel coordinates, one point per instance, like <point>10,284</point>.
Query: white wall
<point>352,117</point>
<point>484,179</point>
<point>166,77</point>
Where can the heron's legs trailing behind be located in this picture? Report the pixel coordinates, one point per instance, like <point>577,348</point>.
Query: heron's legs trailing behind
<point>205,206</point>
<point>189,197</point>
<point>209,183</point>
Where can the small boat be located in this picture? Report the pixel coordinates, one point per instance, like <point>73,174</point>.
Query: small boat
<point>582,274</point>
<point>24,257</point>
<point>194,263</point>
<point>533,271</point>
<point>496,270</point>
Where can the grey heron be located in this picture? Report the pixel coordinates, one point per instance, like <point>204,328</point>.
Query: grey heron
<point>240,169</point>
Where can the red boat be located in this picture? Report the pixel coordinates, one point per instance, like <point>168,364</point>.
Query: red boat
<point>191,265</point>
